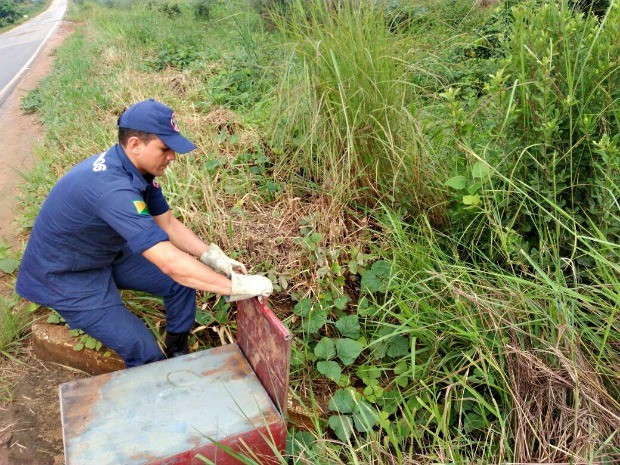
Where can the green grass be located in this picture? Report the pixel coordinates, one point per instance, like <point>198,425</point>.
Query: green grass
<point>14,325</point>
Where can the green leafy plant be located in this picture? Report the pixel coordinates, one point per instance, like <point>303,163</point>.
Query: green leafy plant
<point>83,340</point>
<point>353,414</point>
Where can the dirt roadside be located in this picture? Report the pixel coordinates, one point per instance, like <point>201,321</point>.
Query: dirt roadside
<point>19,134</point>
<point>30,427</point>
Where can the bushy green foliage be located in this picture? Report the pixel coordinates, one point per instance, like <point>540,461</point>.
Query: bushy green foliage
<point>9,12</point>
<point>12,11</point>
<point>549,132</point>
<point>171,9</point>
<point>203,8</point>
<point>174,55</point>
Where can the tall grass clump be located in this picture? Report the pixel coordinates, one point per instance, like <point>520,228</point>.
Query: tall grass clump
<point>504,367</point>
<point>14,325</point>
<point>341,115</point>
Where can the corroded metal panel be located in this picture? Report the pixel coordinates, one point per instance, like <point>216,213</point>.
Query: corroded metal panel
<point>266,343</point>
<point>258,445</point>
<point>167,412</point>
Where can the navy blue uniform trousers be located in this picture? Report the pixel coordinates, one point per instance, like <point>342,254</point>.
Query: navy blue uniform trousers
<point>122,331</point>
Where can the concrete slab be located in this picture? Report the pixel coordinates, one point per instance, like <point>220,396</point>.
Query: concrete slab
<point>53,343</point>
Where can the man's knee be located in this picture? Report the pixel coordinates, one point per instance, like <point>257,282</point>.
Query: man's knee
<point>140,352</point>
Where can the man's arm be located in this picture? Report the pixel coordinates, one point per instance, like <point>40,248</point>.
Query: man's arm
<point>180,235</point>
<point>185,239</point>
<point>186,270</point>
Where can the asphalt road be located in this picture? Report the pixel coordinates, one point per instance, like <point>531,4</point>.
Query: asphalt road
<point>20,45</point>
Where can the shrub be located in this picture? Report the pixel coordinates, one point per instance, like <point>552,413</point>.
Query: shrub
<point>171,10</point>
<point>549,134</point>
<point>9,12</point>
<point>202,9</point>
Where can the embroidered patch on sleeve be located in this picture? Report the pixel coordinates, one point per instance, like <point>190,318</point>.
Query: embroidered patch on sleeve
<point>141,207</point>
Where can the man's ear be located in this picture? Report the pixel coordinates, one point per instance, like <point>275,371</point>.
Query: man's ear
<point>134,145</point>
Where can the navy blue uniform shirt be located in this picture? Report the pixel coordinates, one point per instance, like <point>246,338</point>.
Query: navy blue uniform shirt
<point>99,208</point>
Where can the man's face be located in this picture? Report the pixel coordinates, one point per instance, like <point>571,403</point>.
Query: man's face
<point>154,156</point>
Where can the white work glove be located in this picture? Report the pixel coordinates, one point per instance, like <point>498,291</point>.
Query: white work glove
<point>220,262</point>
<point>248,286</point>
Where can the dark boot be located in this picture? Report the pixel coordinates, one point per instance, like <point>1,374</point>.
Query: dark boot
<point>176,344</point>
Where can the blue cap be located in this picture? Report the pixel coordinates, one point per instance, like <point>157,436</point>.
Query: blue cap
<point>156,118</point>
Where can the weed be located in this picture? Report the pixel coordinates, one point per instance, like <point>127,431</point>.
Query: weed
<point>15,322</point>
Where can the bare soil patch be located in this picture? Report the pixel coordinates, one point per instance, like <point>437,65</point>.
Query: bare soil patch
<point>19,133</point>
<point>30,427</point>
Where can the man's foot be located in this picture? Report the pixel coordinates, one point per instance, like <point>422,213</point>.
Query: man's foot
<point>176,344</point>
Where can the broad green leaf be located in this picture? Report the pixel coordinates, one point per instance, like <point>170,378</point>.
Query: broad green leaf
<point>299,442</point>
<point>372,393</point>
<point>402,381</point>
<point>344,380</point>
<point>54,318</point>
<point>315,321</point>
<point>348,350</point>
<point>376,279</point>
<point>393,347</point>
<point>401,367</point>
<point>391,401</point>
<point>325,349</point>
<point>474,188</point>
<point>471,200</point>
<point>370,381</point>
<point>90,343</point>
<point>316,237</point>
<point>457,182</point>
<point>381,268</point>
<point>211,165</point>
<point>79,346</point>
<point>364,308</point>
<point>341,302</point>
<point>204,318</point>
<point>329,369</point>
<point>342,401</point>
<point>398,347</point>
<point>349,326</point>
<point>303,307</point>
<point>365,417</point>
<point>368,371</point>
<point>297,357</point>
<point>9,265</point>
<point>480,170</point>
<point>474,422</point>
<point>342,426</point>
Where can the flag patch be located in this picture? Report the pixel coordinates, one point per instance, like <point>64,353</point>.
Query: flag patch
<point>141,207</point>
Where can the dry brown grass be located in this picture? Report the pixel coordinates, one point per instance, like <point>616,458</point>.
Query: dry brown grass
<point>562,410</point>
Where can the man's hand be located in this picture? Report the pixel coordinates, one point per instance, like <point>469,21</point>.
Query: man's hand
<point>245,287</point>
<point>220,262</point>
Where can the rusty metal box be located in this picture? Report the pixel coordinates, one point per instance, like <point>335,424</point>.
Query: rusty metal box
<point>207,403</point>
